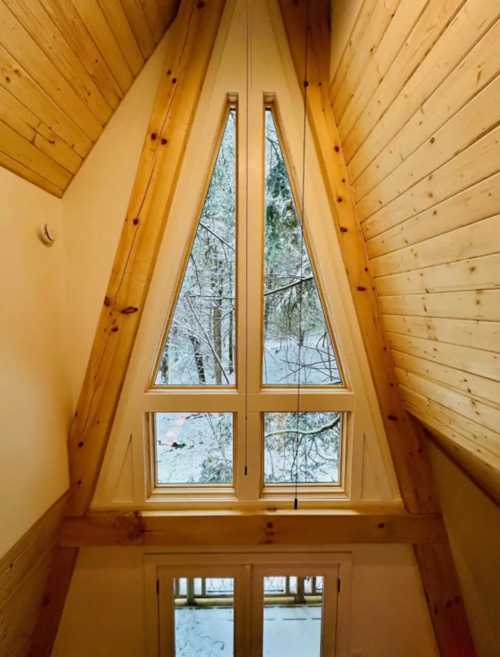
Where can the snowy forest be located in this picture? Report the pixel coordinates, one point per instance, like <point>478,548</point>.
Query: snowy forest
<point>200,348</point>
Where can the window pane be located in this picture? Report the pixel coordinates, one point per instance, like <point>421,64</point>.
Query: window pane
<point>194,448</point>
<point>292,619</point>
<point>297,344</point>
<point>204,622</point>
<point>302,447</point>
<point>200,347</point>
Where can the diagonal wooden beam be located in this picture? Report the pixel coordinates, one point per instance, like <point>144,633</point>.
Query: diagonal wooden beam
<point>190,43</point>
<point>308,21</point>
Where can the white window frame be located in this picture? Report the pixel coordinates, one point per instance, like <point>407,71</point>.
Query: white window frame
<point>250,397</point>
<point>273,79</point>
<point>248,570</point>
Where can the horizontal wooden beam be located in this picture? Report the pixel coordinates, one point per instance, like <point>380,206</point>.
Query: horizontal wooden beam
<point>112,529</point>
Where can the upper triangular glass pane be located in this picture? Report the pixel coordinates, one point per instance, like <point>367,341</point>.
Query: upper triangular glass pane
<point>298,348</point>
<point>200,348</point>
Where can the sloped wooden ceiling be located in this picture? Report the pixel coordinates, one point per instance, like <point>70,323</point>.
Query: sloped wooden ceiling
<point>65,65</point>
<point>415,89</point>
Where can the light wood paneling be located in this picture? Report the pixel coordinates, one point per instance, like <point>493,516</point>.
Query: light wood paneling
<point>23,573</point>
<point>65,65</point>
<point>420,130</point>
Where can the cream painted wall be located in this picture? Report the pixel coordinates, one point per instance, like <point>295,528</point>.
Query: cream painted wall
<point>33,382</point>
<point>104,613</point>
<point>473,523</point>
<point>51,302</point>
<point>94,207</point>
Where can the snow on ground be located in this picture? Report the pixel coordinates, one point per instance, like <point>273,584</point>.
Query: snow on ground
<point>208,632</point>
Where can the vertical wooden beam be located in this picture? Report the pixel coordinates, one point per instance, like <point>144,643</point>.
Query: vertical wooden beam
<point>61,572</point>
<point>189,47</point>
<point>307,21</point>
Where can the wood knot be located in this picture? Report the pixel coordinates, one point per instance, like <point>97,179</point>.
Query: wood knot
<point>306,84</point>
<point>129,310</point>
<point>81,444</point>
<point>339,199</point>
<point>153,136</point>
<point>381,525</point>
<point>361,288</point>
<point>115,329</point>
<point>200,4</point>
<point>135,221</point>
<point>393,418</point>
<point>343,229</point>
<point>336,148</point>
<point>107,301</point>
<point>163,141</point>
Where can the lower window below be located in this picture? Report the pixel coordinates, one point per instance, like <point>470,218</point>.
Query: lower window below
<point>204,616</point>
<point>292,616</point>
<point>236,605</point>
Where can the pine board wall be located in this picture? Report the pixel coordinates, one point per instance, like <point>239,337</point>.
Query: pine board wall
<point>415,89</point>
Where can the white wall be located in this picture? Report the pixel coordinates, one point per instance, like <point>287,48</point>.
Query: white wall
<point>33,390</point>
<point>94,208</point>
<point>104,613</point>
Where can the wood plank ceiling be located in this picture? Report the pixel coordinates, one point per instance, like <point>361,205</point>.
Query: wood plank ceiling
<point>65,65</point>
<point>415,88</point>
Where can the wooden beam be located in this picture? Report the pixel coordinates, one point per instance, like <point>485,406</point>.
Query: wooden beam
<point>189,49</point>
<point>445,602</point>
<point>61,572</point>
<point>404,435</point>
<point>247,529</point>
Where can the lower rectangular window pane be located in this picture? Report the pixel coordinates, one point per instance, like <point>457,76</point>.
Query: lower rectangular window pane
<point>204,616</point>
<point>193,448</point>
<point>292,617</point>
<point>302,447</point>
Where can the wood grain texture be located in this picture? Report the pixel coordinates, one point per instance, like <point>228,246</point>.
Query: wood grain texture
<point>105,529</point>
<point>188,52</point>
<point>58,583</point>
<point>413,470</point>
<point>23,574</point>
<point>421,136</point>
<point>65,65</point>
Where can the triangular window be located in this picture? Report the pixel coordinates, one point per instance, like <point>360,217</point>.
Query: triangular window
<point>200,347</point>
<point>248,386</point>
<point>298,347</point>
